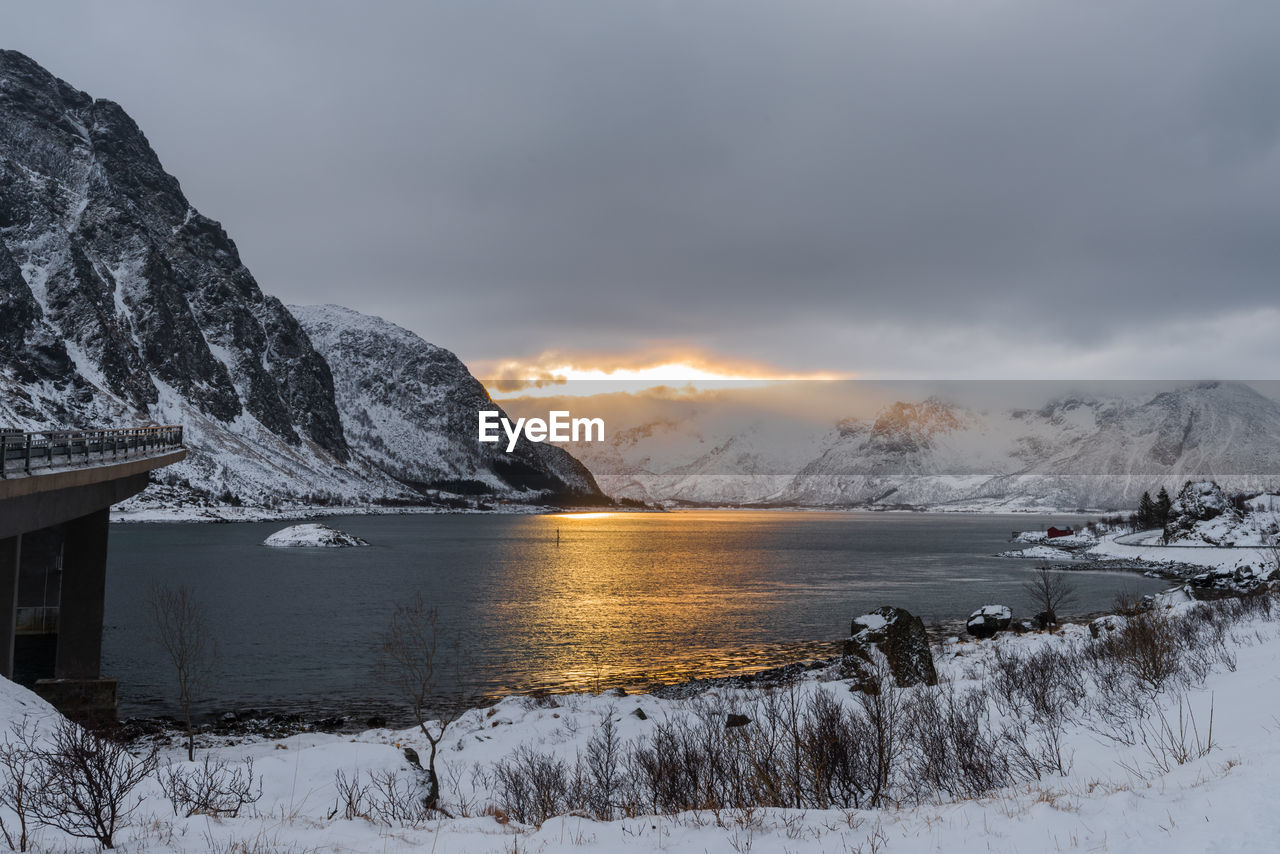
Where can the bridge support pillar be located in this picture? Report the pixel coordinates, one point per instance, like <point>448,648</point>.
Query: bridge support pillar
<point>77,689</point>
<point>84,587</point>
<point>10,560</point>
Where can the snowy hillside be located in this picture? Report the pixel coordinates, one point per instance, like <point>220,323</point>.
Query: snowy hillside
<point>409,407</point>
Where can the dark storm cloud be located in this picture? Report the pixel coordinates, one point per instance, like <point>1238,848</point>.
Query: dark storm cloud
<point>801,182</point>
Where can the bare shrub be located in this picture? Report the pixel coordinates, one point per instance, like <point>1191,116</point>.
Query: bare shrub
<point>1172,742</point>
<point>352,796</point>
<point>19,767</point>
<point>85,783</point>
<point>467,801</point>
<point>396,799</point>
<point>836,741</point>
<point>818,747</point>
<point>883,711</point>
<point>1045,685</point>
<point>1127,603</point>
<point>185,636</point>
<point>774,749</point>
<point>212,787</point>
<point>532,787</point>
<point>952,748</point>
<point>1041,692</point>
<point>695,762</point>
<point>603,770</point>
<point>1204,638</point>
<point>428,677</point>
<point>1050,592</point>
<point>1147,649</point>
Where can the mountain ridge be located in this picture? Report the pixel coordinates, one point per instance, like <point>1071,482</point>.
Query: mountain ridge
<point>122,303</point>
<point>1072,452</point>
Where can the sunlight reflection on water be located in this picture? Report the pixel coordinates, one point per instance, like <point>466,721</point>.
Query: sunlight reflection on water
<point>568,601</point>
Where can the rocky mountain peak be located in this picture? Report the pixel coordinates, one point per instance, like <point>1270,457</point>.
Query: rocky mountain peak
<point>121,303</point>
<point>149,297</point>
<point>911,427</point>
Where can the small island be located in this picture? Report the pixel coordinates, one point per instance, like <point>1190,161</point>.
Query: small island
<point>313,535</point>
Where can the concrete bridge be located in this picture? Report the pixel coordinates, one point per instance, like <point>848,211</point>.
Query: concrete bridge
<point>56,490</point>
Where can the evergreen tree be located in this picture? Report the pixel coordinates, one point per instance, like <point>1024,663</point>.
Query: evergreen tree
<point>1164,507</point>
<point>1146,513</point>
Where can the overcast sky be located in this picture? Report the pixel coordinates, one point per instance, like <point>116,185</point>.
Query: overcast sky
<point>898,188</point>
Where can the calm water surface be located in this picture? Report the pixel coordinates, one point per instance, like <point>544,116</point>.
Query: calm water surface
<point>624,598</point>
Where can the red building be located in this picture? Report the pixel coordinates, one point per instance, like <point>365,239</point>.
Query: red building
<point>1060,532</point>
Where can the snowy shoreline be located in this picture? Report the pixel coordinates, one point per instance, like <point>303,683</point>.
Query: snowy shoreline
<point>219,513</point>
<point>1099,791</point>
<point>227,513</point>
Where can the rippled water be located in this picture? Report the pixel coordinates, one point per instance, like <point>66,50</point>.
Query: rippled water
<point>550,601</point>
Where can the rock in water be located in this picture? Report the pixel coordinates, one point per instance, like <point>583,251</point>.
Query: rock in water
<point>312,536</point>
<point>900,637</point>
<point>989,619</point>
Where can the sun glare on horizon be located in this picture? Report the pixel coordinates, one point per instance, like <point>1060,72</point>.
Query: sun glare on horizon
<point>574,379</point>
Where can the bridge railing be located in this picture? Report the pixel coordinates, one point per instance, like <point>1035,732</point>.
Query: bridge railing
<point>23,453</point>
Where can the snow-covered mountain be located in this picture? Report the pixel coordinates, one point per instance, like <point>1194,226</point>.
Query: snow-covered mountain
<point>1073,452</point>
<point>120,303</point>
<point>409,407</point>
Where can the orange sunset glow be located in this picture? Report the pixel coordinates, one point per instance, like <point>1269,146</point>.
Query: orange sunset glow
<point>554,375</point>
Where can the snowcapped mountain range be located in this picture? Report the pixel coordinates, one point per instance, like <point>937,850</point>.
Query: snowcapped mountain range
<point>1073,452</point>
<point>120,303</point>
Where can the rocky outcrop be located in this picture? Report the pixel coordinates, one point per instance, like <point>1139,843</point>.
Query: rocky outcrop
<point>988,620</point>
<point>900,638</point>
<point>1226,582</point>
<point>1200,502</point>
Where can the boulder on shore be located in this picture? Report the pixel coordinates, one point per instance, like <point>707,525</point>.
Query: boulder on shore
<point>1105,625</point>
<point>900,637</point>
<point>989,619</point>
<point>1228,582</point>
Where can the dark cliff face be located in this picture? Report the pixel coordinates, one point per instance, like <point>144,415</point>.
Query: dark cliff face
<point>127,287</point>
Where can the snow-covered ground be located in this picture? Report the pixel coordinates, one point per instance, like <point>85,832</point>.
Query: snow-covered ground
<point>1039,553</point>
<point>1145,548</point>
<point>1080,538</point>
<point>1110,797</point>
<point>163,503</point>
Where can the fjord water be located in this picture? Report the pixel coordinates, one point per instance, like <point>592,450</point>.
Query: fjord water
<point>550,601</point>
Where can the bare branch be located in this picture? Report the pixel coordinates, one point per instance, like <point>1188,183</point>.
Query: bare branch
<point>184,634</point>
